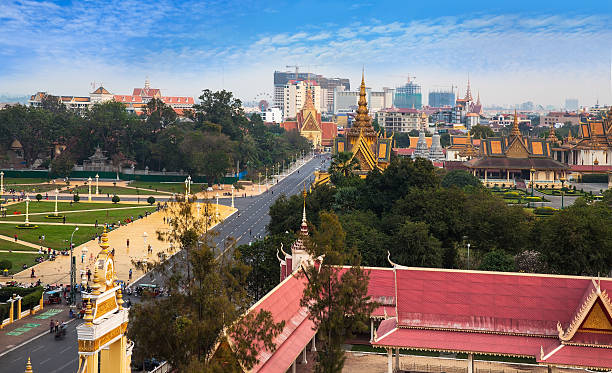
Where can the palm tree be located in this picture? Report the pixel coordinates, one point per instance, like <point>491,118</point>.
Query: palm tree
<point>343,164</point>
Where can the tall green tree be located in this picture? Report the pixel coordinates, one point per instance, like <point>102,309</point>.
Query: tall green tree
<point>336,298</point>
<point>481,132</point>
<point>207,300</point>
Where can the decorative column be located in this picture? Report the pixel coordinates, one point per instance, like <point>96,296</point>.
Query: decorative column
<point>390,361</point>
<point>508,175</point>
<point>27,201</point>
<point>89,187</point>
<point>470,362</point>
<point>1,183</point>
<point>56,194</point>
<point>397,364</point>
<point>304,361</point>
<point>11,312</point>
<point>232,196</point>
<point>371,330</point>
<point>314,343</point>
<point>97,179</point>
<point>293,366</point>
<point>18,307</point>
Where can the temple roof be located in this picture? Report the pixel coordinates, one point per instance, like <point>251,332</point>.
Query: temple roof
<point>516,163</point>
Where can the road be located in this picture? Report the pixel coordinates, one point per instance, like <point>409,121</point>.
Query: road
<point>51,356</point>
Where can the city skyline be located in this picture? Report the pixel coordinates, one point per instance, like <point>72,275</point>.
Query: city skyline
<point>543,53</point>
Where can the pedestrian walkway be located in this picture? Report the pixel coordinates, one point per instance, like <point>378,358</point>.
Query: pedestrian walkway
<point>141,233</point>
<point>20,242</point>
<point>29,327</point>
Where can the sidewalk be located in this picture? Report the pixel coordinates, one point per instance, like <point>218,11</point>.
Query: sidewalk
<point>31,326</point>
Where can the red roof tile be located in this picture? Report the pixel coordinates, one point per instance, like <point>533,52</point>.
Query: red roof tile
<point>580,356</point>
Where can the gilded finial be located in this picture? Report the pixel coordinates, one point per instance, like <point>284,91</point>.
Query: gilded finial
<point>29,366</point>
<point>515,128</point>
<point>88,314</point>
<point>119,298</point>
<point>104,241</point>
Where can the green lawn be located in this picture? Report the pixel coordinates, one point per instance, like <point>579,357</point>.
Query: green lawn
<point>167,187</point>
<point>19,180</point>
<point>49,206</point>
<point>84,191</point>
<point>18,260</point>
<point>103,216</point>
<point>10,245</point>
<point>55,235</point>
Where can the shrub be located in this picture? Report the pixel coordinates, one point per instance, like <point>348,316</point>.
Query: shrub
<point>6,264</point>
<point>32,299</point>
<point>533,199</point>
<point>76,198</point>
<point>460,178</point>
<point>545,210</point>
<point>38,197</point>
<point>151,200</point>
<point>511,195</point>
<point>116,199</point>
<point>497,260</point>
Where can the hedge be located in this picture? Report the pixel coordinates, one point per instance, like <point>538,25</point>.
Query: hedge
<point>595,178</point>
<point>546,210</point>
<point>511,195</point>
<point>31,298</point>
<point>533,199</point>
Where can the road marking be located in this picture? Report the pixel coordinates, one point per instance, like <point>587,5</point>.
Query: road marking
<point>38,348</point>
<point>60,369</point>
<point>44,361</point>
<point>66,349</point>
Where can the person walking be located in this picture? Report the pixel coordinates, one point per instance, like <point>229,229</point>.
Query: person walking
<point>56,326</point>
<point>127,243</point>
<point>88,274</point>
<point>51,325</point>
<point>130,274</point>
<point>64,220</point>
<point>15,237</point>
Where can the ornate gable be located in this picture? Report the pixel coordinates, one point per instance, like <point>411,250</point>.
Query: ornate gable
<point>363,153</point>
<point>517,149</point>
<point>310,123</point>
<point>593,316</point>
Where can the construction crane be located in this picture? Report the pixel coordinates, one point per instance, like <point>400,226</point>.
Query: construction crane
<point>297,69</point>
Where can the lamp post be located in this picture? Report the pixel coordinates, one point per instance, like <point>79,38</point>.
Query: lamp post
<point>27,201</point>
<point>72,270</point>
<point>217,205</point>
<point>198,207</point>
<point>468,262</point>
<point>562,179</point>
<point>1,183</point>
<point>232,196</point>
<point>97,179</point>
<point>89,191</point>
<point>188,185</point>
<point>533,171</point>
<point>259,184</point>
<point>56,194</point>
<point>266,176</point>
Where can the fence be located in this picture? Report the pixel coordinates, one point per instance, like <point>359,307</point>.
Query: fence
<point>162,368</point>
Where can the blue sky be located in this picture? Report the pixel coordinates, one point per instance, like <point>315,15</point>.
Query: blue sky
<point>513,51</point>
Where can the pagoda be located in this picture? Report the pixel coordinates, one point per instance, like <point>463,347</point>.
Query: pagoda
<point>436,154</point>
<point>372,151</point>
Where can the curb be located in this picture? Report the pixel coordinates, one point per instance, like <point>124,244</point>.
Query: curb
<point>29,340</point>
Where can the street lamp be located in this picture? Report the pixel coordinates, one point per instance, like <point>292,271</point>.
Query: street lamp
<point>72,271</point>
<point>468,262</point>
<point>533,171</point>
<point>1,183</point>
<point>56,194</point>
<point>232,196</point>
<point>188,185</point>
<point>217,205</point>
<point>27,201</point>
<point>89,186</point>
<point>562,179</point>
<point>259,184</point>
<point>97,179</point>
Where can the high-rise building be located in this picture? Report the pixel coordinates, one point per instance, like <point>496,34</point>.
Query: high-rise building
<point>408,96</point>
<point>441,98</point>
<point>571,104</point>
<point>346,101</point>
<point>294,96</point>
<point>327,85</point>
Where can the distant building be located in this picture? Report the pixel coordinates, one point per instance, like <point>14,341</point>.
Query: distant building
<point>571,104</point>
<point>327,86</point>
<point>401,120</point>
<point>408,96</point>
<point>502,120</point>
<point>135,103</point>
<point>346,101</point>
<point>272,115</point>
<point>440,98</point>
<point>294,96</point>
<point>559,117</point>
<point>598,111</point>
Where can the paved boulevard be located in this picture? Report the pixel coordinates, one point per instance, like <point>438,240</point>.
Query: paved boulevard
<point>52,356</point>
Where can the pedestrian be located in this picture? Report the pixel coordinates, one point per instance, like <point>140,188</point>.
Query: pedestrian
<point>64,220</point>
<point>56,326</point>
<point>15,237</point>
<point>51,325</point>
<point>127,243</point>
<point>32,275</point>
<point>96,223</point>
<point>88,274</point>
<point>130,274</point>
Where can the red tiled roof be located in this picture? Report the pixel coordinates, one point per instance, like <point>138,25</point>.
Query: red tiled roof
<point>127,99</point>
<point>587,168</point>
<point>441,340</point>
<point>178,100</point>
<point>146,92</point>
<point>403,151</point>
<point>580,356</point>
<point>289,126</point>
<point>329,129</point>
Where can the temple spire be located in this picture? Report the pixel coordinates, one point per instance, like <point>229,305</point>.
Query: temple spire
<point>308,103</point>
<point>304,226</point>
<point>515,127</point>
<point>29,367</point>
<point>468,92</point>
<point>478,100</point>
<point>552,137</point>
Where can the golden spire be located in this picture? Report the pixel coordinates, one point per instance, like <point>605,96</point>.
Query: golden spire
<point>552,137</point>
<point>468,92</point>
<point>88,314</point>
<point>569,136</point>
<point>119,298</point>
<point>362,119</point>
<point>515,128</point>
<point>104,241</point>
<point>29,366</point>
<point>304,227</point>
<point>308,104</point>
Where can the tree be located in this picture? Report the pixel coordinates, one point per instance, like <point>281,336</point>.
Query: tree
<point>38,197</point>
<point>460,179</point>
<point>481,132</point>
<point>151,200</point>
<point>116,199</point>
<point>206,303</point>
<point>343,166</point>
<point>62,165</point>
<point>336,298</point>
<point>413,245</point>
<point>497,260</point>
<point>207,154</point>
<point>159,115</point>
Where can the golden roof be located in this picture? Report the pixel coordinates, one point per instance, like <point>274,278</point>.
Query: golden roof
<point>308,104</point>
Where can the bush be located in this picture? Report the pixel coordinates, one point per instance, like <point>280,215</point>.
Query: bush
<point>116,199</point>
<point>460,178</point>
<point>151,200</point>
<point>497,260</point>
<point>76,198</point>
<point>38,197</point>
<point>545,210</point>
<point>533,199</point>
<point>31,300</point>
<point>5,264</point>
<point>511,195</point>
<point>594,178</point>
